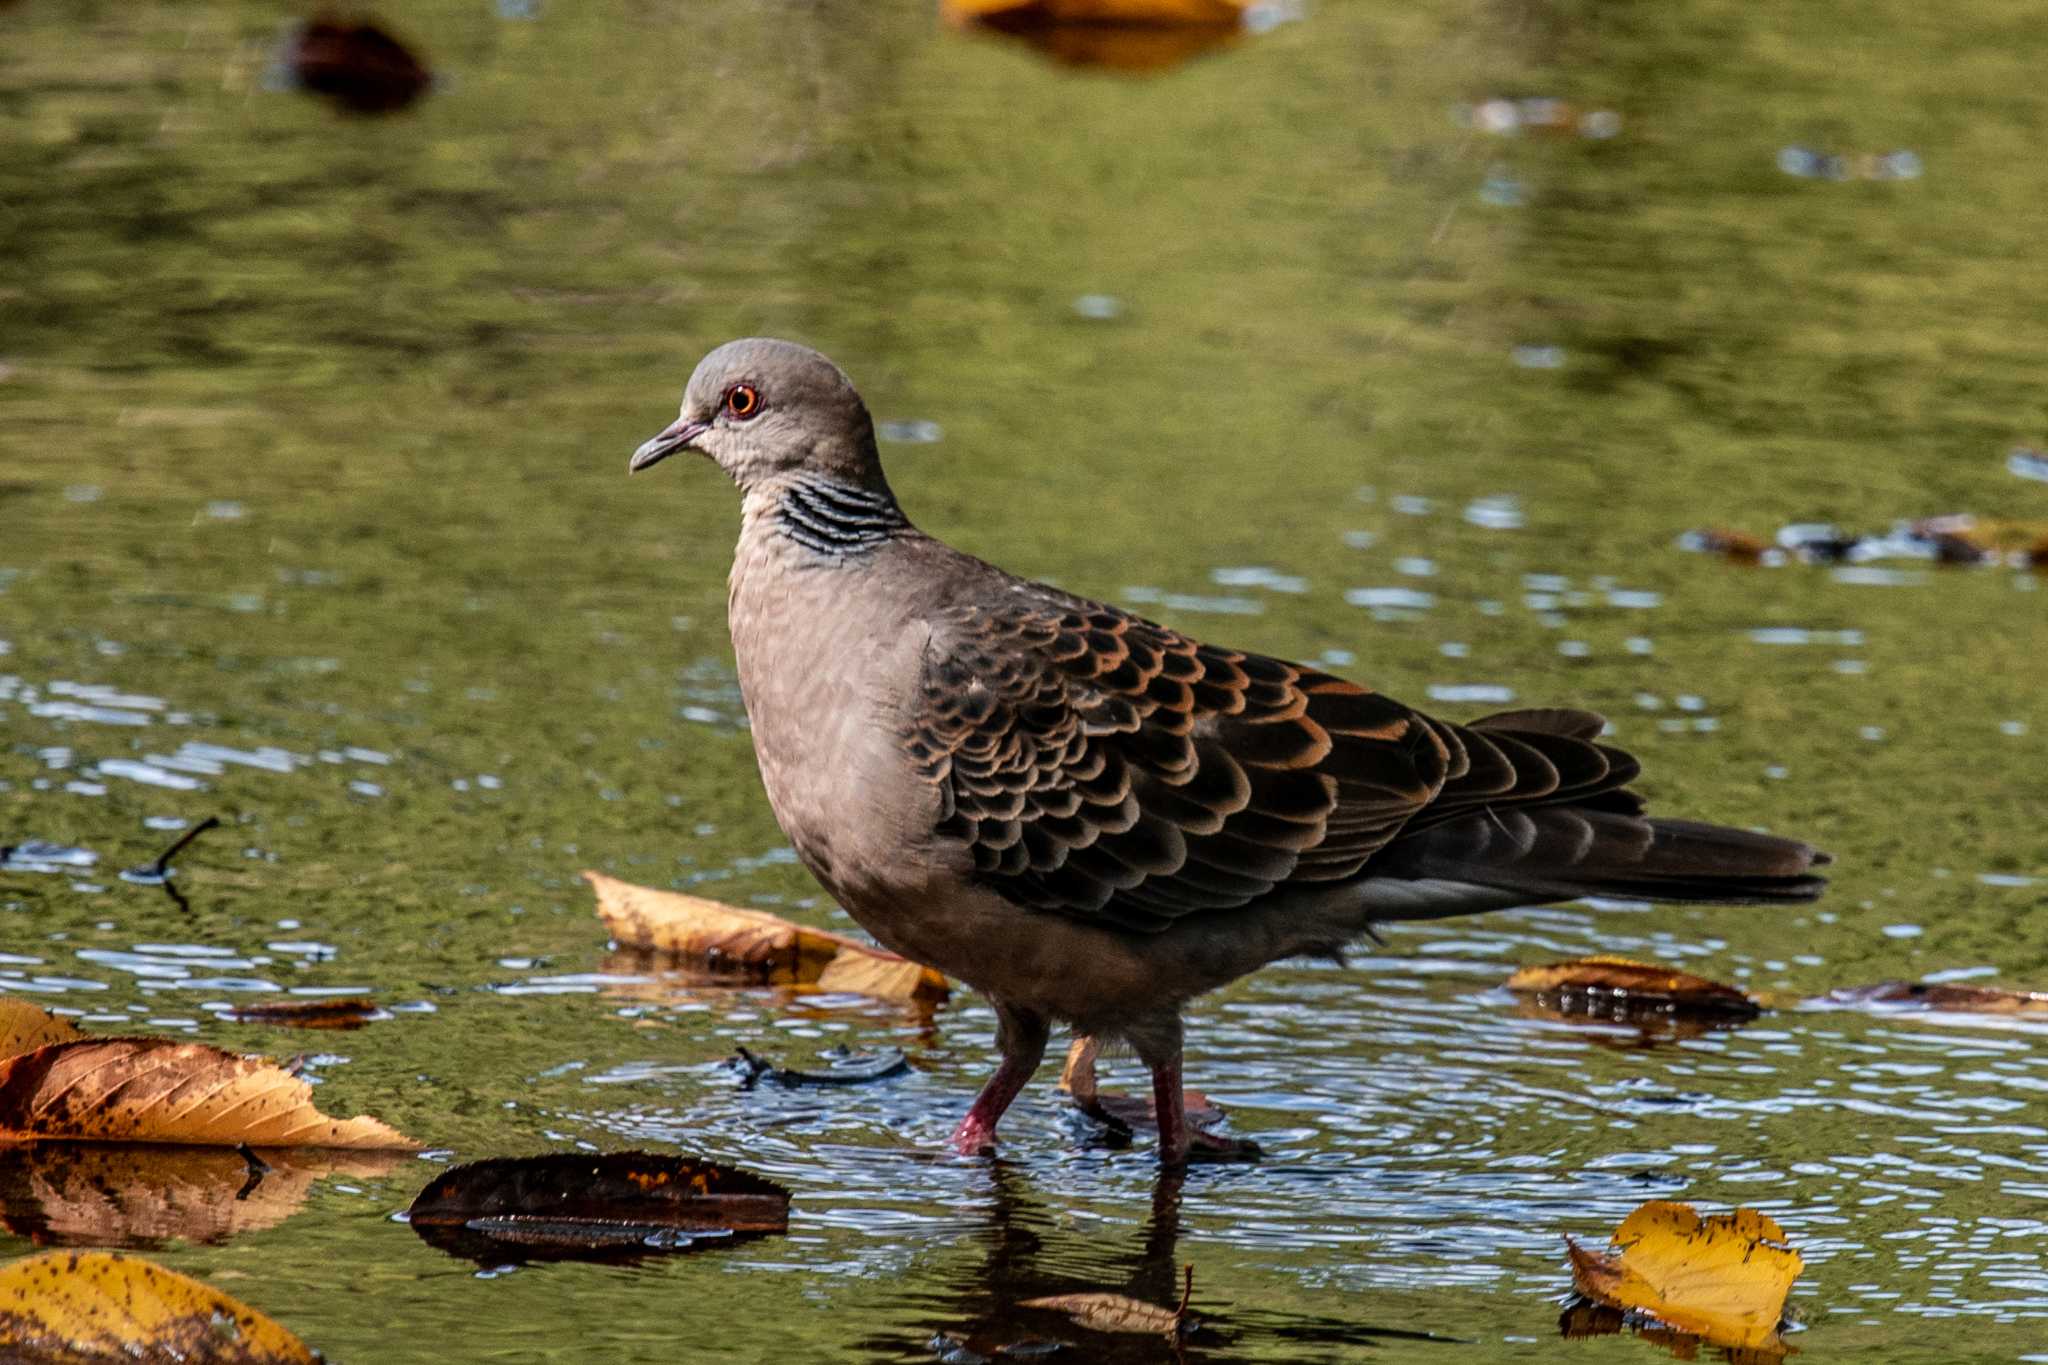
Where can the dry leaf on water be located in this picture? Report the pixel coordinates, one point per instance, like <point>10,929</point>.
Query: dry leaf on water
<point>163,1090</point>
<point>755,945</point>
<point>24,1027</point>
<point>572,1205</point>
<point>1955,999</point>
<point>87,1194</point>
<point>103,1306</point>
<point>1723,1278</point>
<point>1122,1315</point>
<point>1606,986</point>
<point>1077,1078</point>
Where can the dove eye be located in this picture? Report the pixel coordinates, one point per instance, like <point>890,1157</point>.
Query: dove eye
<point>742,401</point>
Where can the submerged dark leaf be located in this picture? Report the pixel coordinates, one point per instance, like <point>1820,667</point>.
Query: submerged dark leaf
<point>571,1205</point>
<point>348,1012</point>
<point>844,1067</point>
<point>1950,998</point>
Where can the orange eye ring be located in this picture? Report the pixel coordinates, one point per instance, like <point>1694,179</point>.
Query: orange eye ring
<point>742,401</point>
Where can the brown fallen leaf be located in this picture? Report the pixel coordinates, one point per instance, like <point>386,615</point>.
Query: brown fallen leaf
<point>164,1090</point>
<point>88,1306</point>
<point>1947,997</point>
<point>1601,985</point>
<point>88,1194</point>
<point>1121,1111</point>
<point>359,66</point>
<point>1723,1278</point>
<point>1122,1315</point>
<point>755,945</point>
<point>571,1205</point>
<point>24,1027</point>
<point>335,1013</point>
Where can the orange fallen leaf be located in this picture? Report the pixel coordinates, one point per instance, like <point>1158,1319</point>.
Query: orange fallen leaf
<point>1120,1314</point>
<point>84,1306</point>
<point>89,1194</point>
<point>755,944</point>
<point>1952,998</point>
<point>164,1090</point>
<point>24,1027</point>
<point>573,1205</point>
<point>1723,1278</point>
<point>1605,983</point>
<point>1122,35</point>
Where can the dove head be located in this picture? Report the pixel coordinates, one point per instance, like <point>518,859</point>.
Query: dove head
<point>766,410</point>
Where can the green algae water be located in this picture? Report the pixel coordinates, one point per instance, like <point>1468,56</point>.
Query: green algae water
<point>1406,340</point>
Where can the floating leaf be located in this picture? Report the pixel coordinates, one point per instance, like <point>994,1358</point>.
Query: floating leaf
<point>24,1027</point>
<point>1601,985</point>
<point>79,1307</point>
<point>342,1013</point>
<point>1122,1315</point>
<point>1951,998</point>
<point>571,1205</point>
<point>164,1090</point>
<point>87,1194</point>
<point>1125,35</point>
<point>356,64</point>
<point>1723,1278</point>
<point>756,945</point>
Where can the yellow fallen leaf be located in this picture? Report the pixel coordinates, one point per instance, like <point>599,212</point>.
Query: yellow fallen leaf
<point>164,1090</point>
<point>1118,1313</point>
<point>1624,981</point>
<point>24,1027</point>
<point>1118,1110</point>
<point>1950,998</point>
<point>755,944</point>
<point>102,1306</point>
<point>1723,1278</point>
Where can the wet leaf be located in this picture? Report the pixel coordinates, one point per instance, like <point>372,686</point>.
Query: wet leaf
<point>1951,998</point>
<point>755,945</point>
<point>1723,1278</point>
<point>356,64</point>
<point>1740,547</point>
<point>1119,1111</point>
<point>1600,984</point>
<point>74,1306</point>
<point>572,1205</point>
<point>346,1013</point>
<point>164,1090</point>
<point>1122,1315</point>
<point>88,1194</point>
<point>24,1027</point>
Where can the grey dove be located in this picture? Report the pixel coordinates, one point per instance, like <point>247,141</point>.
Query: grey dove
<point>1091,818</point>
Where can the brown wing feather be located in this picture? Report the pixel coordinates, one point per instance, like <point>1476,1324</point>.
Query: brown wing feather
<point>1100,765</point>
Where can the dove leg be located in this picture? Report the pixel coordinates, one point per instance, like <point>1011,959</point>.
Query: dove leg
<point>1179,1141</point>
<point>1020,1037</point>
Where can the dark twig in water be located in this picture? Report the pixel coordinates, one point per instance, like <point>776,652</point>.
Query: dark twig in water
<point>162,866</point>
<point>258,1168</point>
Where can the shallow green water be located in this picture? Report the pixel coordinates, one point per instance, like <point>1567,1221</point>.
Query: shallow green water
<point>314,438</point>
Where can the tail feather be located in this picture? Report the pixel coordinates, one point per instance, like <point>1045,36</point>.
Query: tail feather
<point>1564,852</point>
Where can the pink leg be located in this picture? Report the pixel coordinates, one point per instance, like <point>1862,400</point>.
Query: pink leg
<point>1021,1037</point>
<point>1179,1142</point>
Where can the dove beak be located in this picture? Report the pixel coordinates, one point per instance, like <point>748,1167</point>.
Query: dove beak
<point>677,437</point>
